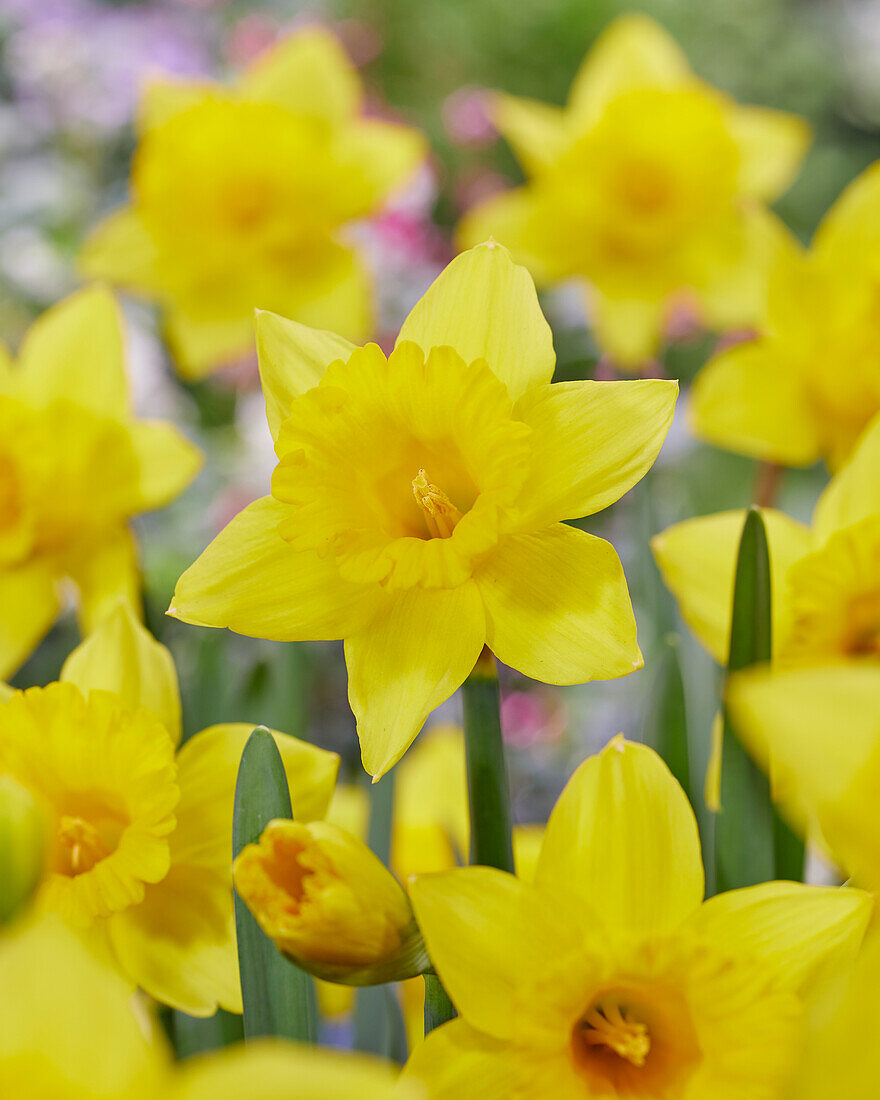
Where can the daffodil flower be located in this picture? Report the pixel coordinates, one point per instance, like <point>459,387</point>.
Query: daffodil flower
<point>649,185</point>
<point>140,860</point>
<point>68,1028</point>
<point>825,579</point>
<point>817,730</point>
<point>240,197</point>
<point>416,504</point>
<point>610,976</point>
<point>75,467</point>
<point>807,385</point>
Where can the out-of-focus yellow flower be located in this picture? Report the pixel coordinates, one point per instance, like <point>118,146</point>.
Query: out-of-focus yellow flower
<point>808,384</point>
<point>825,579</point>
<point>817,732</point>
<point>22,846</point>
<point>841,1056</point>
<point>649,184</point>
<point>239,198</point>
<point>328,903</point>
<point>139,851</point>
<point>416,504</point>
<point>68,1030</point>
<point>610,975</point>
<point>75,466</point>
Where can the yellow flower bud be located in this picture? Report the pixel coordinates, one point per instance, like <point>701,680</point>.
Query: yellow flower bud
<point>329,904</point>
<point>22,846</point>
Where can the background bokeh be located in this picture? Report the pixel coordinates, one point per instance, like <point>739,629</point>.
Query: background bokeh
<point>69,74</point>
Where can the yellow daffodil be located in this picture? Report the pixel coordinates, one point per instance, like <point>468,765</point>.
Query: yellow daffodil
<point>825,579</point>
<point>240,195</point>
<point>140,836</point>
<point>69,1031</point>
<point>328,903</point>
<point>817,732</point>
<point>416,504</point>
<point>75,466</point>
<point>649,185</point>
<point>808,383</point>
<point>610,976</point>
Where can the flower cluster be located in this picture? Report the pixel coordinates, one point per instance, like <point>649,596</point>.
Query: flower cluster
<point>469,516</point>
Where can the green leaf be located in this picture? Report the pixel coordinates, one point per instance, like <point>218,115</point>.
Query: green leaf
<point>278,997</point>
<point>752,844</point>
<point>193,1035</point>
<point>438,1007</point>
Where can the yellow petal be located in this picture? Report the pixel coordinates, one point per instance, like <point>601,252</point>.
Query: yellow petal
<point>485,306</point>
<point>7,370</point>
<point>415,652</point>
<point>848,234</point>
<point>307,72</point>
<point>698,561</point>
<point>274,1069</point>
<point>853,493</point>
<point>340,301</point>
<point>510,217</point>
<point>250,580</point>
<point>557,607</point>
<point>592,442</point>
<point>201,339</point>
<point>633,52</point>
<point>121,250</point>
<point>75,352</point>
<point>178,944</point>
<point>456,1062</point>
<point>509,956</point>
<point>749,399</point>
<point>787,720</point>
<point>772,147</point>
<point>293,357</point>
<point>624,836</point>
<point>66,1022</point>
<point>30,605</point>
<point>167,462</point>
<point>163,97</point>
<point>384,155</point>
<point>105,574</point>
<point>628,329</point>
<point>792,930</point>
<point>536,131</point>
<point>207,772</point>
<point>122,657</point>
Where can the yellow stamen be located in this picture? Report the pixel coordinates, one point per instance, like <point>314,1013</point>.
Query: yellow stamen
<point>83,843</point>
<point>441,515</point>
<point>610,1027</point>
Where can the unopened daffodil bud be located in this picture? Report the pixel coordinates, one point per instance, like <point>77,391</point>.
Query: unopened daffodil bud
<point>329,904</point>
<point>22,847</point>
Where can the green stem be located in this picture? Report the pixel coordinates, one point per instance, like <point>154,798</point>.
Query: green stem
<point>488,788</point>
<point>438,1007</point>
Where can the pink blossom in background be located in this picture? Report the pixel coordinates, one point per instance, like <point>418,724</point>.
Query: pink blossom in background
<point>529,718</point>
<point>466,116</point>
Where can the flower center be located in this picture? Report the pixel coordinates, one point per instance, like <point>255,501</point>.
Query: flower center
<point>615,1029</point>
<point>440,513</point>
<point>81,845</point>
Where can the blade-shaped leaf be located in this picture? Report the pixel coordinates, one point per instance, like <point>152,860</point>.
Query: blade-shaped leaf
<point>278,997</point>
